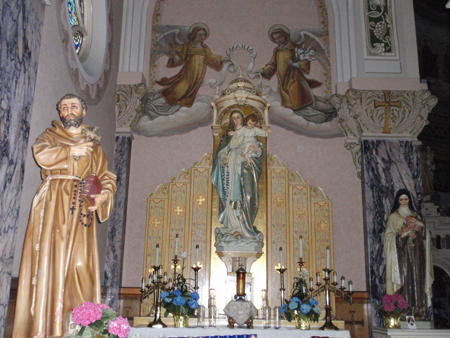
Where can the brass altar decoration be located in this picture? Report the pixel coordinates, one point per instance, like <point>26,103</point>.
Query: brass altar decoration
<point>392,320</point>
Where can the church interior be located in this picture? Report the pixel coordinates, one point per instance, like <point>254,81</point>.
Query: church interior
<point>264,135</point>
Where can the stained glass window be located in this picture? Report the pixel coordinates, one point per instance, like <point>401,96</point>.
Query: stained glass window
<point>81,24</point>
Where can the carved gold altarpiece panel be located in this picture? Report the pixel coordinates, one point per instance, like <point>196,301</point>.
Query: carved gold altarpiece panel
<point>292,207</point>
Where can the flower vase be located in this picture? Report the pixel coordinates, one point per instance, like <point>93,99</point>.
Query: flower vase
<point>300,323</point>
<point>181,320</point>
<point>392,320</point>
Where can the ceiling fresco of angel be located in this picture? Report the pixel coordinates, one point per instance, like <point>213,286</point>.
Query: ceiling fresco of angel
<point>291,65</point>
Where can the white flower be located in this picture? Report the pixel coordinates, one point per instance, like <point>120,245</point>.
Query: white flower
<point>184,255</point>
<point>304,274</point>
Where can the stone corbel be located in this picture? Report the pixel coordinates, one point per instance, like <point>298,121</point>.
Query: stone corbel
<point>369,114</point>
<point>129,105</point>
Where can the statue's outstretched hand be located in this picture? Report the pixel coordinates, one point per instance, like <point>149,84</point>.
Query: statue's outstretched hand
<point>99,200</point>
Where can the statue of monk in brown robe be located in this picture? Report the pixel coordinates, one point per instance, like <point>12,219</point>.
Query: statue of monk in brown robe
<point>60,263</point>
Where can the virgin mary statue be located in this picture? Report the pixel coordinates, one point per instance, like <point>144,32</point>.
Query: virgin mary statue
<point>236,181</point>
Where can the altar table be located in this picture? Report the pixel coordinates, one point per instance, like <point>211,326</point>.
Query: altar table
<point>224,332</point>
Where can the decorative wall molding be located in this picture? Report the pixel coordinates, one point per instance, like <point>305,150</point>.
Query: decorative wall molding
<point>380,30</point>
<point>362,113</point>
<point>129,105</point>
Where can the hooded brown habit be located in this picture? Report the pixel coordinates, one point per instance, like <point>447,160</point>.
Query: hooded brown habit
<point>60,265</point>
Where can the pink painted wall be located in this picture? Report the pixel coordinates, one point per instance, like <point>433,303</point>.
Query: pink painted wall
<point>322,162</point>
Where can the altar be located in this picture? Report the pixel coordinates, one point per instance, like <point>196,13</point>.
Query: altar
<point>224,332</point>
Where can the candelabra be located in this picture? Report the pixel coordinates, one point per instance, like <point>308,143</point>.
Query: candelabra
<point>329,287</point>
<point>154,286</point>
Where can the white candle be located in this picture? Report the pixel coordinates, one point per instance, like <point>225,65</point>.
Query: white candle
<point>165,277</point>
<point>196,256</point>
<point>157,254</point>
<point>281,257</point>
<point>335,277</point>
<point>301,246</point>
<point>310,282</point>
<point>303,289</point>
<point>328,257</point>
<point>326,273</point>
<point>350,286</point>
<point>155,277</point>
<point>342,281</point>
<point>170,283</point>
<point>318,278</point>
<point>176,244</point>
<point>143,284</point>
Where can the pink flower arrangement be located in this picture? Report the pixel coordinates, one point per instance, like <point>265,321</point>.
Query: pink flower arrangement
<point>119,327</point>
<point>393,303</point>
<point>99,319</point>
<point>87,313</point>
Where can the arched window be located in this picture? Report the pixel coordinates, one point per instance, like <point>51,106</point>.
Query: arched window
<point>80,20</point>
<point>447,242</point>
<point>438,242</point>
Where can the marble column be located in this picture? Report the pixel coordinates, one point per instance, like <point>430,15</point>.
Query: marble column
<point>386,156</point>
<point>117,222</point>
<point>20,37</point>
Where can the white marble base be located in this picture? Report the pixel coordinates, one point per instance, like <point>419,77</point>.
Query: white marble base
<point>379,332</point>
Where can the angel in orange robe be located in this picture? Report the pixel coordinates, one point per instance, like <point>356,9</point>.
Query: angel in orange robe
<point>60,263</point>
<point>292,63</point>
<point>196,56</point>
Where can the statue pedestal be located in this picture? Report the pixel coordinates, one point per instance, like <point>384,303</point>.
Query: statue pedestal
<point>230,258</point>
<point>240,312</point>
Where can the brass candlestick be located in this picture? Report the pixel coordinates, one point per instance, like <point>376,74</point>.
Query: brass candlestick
<point>281,271</point>
<point>196,270</point>
<point>175,268</point>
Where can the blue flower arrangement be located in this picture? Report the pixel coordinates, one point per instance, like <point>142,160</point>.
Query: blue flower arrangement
<point>301,303</point>
<point>180,300</point>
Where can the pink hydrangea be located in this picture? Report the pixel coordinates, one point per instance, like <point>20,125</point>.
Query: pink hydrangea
<point>87,313</point>
<point>398,296</point>
<point>402,304</point>
<point>389,299</point>
<point>119,327</point>
<point>389,307</point>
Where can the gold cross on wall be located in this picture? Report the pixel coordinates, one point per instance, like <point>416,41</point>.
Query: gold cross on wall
<point>178,210</point>
<point>387,129</point>
<point>200,200</point>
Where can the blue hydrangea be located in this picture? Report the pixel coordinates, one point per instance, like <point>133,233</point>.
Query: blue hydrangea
<point>164,294</point>
<point>293,305</point>
<point>167,300</point>
<point>283,308</point>
<point>176,292</point>
<point>193,304</point>
<point>305,308</point>
<point>194,295</point>
<point>314,302</point>
<point>296,299</point>
<point>179,300</point>
<point>317,310</point>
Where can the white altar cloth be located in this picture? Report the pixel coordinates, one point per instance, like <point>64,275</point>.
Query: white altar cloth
<point>379,332</point>
<point>224,332</point>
